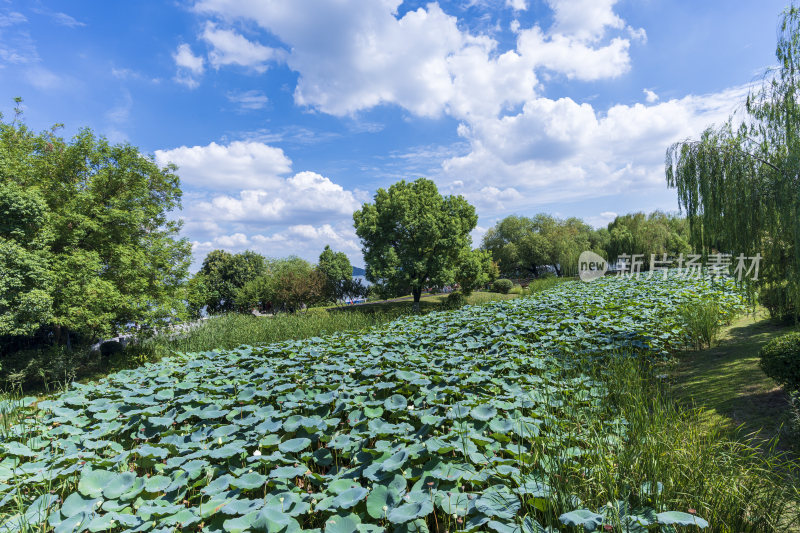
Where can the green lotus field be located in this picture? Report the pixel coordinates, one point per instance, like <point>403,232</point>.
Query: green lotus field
<point>453,421</point>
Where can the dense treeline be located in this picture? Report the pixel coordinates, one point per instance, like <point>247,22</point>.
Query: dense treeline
<point>249,281</point>
<point>527,247</point>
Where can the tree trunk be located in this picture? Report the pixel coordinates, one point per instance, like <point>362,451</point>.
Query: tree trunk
<point>417,293</point>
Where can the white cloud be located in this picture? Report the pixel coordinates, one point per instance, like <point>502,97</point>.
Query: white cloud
<point>353,55</point>
<point>517,5</point>
<point>557,150</point>
<point>248,100</point>
<point>650,96</point>
<point>231,48</point>
<point>574,57</point>
<point>585,20</point>
<point>190,66</point>
<point>238,165</point>
<point>305,240</point>
<point>266,206</point>
<point>306,196</point>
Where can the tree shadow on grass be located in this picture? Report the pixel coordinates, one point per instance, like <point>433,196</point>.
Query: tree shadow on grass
<point>727,381</point>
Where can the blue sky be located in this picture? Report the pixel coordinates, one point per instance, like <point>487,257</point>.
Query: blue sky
<point>285,115</point>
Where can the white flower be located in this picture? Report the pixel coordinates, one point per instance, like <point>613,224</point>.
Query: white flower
<point>257,453</point>
<point>352,370</point>
<point>410,407</point>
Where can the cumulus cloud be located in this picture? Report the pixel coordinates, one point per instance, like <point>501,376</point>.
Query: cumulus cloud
<point>231,48</point>
<point>190,66</point>
<point>271,207</point>
<point>556,150</point>
<point>238,165</point>
<point>354,55</point>
<point>304,240</point>
<point>304,196</point>
<point>585,20</point>
<point>650,96</point>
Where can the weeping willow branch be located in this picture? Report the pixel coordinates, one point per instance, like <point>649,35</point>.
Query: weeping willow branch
<point>739,187</point>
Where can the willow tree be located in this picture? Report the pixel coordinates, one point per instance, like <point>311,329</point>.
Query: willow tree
<point>740,183</point>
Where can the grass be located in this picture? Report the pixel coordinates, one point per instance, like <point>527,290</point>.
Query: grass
<point>726,381</point>
<point>732,482</point>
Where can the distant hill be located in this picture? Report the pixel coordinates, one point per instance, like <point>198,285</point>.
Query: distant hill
<point>359,271</point>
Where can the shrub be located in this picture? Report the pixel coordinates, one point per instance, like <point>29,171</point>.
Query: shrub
<point>778,301</point>
<point>517,289</point>
<point>701,323</point>
<point>502,285</point>
<point>780,360</point>
<point>455,300</point>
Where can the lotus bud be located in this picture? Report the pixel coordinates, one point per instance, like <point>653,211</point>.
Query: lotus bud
<point>257,453</point>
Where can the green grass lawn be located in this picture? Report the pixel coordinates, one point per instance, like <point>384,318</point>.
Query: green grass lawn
<point>728,384</point>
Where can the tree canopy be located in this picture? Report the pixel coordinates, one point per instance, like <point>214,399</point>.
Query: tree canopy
<point>338,273</point>
<point>413,237</point>
<point>223,274</point>
<point>739,183</point>
<point>87,243</point>
<point>285,285</point>
<point>524,246</point>
<point>657,233</point>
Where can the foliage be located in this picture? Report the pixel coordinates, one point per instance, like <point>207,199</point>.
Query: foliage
<point>475,269</point>
<point>86,241</point>
<point>502,285</point>
<point>297,285</point>
<point>655,234</point>
<point>224,274</point>
<point>702,323</point>
<point>739,183</point>
<point>286,285</point>
<point>455,300</point>
<point>26,280</point>
<point>485,413</point>
<point>780,360</point>
<point>525,246</point>
<point>413,237</point>
<point>779,300</point>
<point>338,273</point>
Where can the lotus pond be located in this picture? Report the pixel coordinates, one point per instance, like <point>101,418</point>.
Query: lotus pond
<point>452,421</point>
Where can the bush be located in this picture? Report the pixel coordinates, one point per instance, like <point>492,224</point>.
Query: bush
<point>780,360</point>
<point>517,289</point>
<point>455,300</point>
<point>502,285</point>
<point>778,301</point>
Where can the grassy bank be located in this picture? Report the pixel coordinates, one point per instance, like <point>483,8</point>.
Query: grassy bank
<point>727,383</point>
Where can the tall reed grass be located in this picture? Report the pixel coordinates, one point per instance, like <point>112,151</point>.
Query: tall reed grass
<point>669,460</point>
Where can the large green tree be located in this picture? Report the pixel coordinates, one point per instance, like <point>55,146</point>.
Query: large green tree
<point>412,236</point>
<point>739,183</point>
<point>87,242</point>
<point>223,274</point>
<point>338,273</point>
